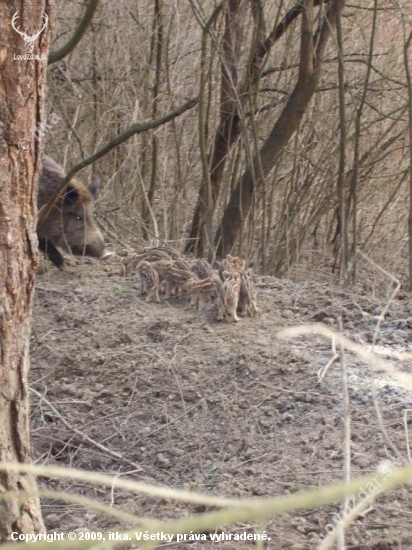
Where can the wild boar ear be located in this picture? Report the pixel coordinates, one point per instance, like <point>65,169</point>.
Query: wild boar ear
<point>94,186</point>
<point>71,195</point>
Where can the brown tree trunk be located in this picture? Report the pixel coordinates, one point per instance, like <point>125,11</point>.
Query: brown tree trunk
<point>231,93</point>
<point>311,55</point>
<point>241,198</point>
<point>22,87</point>
<point>156,53</point>
<point>227,131</point>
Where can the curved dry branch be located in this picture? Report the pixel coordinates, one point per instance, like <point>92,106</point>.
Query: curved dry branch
<point>263,49</point>
<point>77,35</point>
<point>131,131</point>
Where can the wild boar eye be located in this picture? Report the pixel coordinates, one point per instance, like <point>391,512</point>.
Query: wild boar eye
<point>79,217</point>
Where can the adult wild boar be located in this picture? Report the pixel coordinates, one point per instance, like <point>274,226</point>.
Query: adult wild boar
<point>70,224</point>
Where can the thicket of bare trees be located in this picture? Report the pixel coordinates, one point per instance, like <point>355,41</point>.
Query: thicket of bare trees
<point>297,152</point>
<point>281,129</point>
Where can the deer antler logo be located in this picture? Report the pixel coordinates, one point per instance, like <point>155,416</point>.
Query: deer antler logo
<point>29,39</point>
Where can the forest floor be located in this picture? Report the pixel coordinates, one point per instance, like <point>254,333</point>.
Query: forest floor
<point>219,408</point>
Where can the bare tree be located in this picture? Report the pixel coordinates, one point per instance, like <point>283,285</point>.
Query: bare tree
<point>407,40</point>
<point>22,91</point>
<point>234,96</point>
<point>156,54</point>
<point>176,181</point>
<point>227,130</point>
<point>313,45</point>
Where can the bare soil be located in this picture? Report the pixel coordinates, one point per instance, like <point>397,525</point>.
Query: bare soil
<point>219,408</point>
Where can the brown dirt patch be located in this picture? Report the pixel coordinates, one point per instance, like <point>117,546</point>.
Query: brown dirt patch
<point>224,409</point>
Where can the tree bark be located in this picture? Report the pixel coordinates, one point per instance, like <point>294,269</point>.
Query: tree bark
<point>312,49</point>
<point>22,90</point>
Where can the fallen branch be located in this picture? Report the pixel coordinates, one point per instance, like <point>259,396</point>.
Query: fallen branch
<point>101,447</point>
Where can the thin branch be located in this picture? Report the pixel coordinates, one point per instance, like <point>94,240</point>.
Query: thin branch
<point>131,131</point>
<point>239,511</point>
<point>83,435</point>
<point>77,35</point>
<point>346,429</point>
